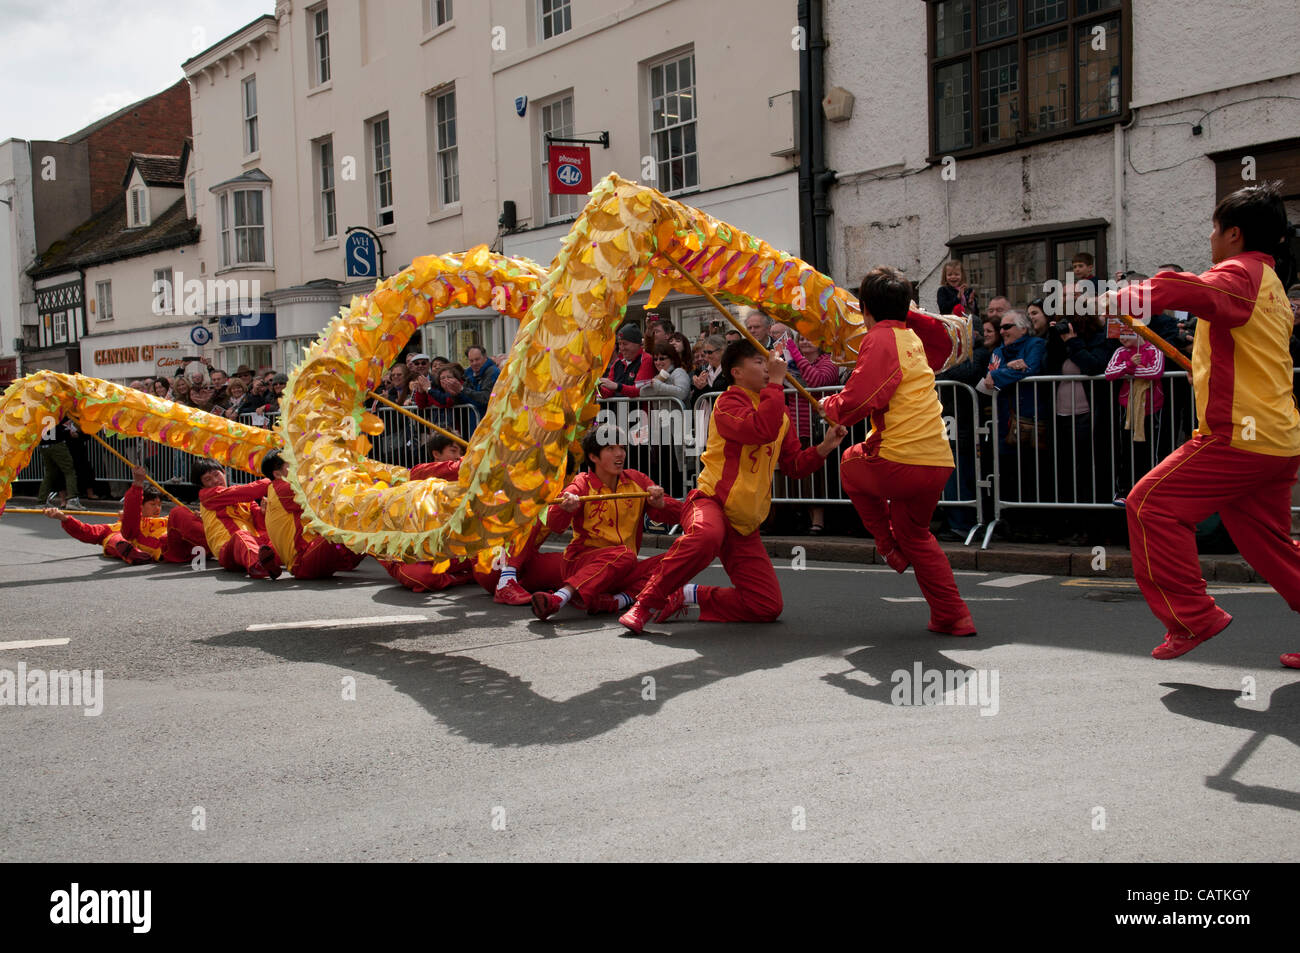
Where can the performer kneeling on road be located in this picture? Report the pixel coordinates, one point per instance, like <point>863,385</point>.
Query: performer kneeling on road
<point>749,433</point>
<point>600,565</point>
<point>1243,457</point>
<point>304,554</point>
<point>895,477</point>
<point>233,522</point>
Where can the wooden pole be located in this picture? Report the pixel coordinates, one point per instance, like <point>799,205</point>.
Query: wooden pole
<point>418,419</point>
<point>161,488</point>
<point>28,509</point>
<point>1146,334</point>
<point>803,391</point>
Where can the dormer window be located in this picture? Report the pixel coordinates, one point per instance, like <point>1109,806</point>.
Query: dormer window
<point>138,202</point>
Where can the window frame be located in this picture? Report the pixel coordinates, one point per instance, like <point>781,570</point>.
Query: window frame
<point>650,67</point>
<point>1051,236</point>
<point>445,154</point>
<point>377,173</point>
<point>326,217</point>
<point>320,60</point>
<point>169,302</point>
<point>252,141</point>
<point>573,202</point>
<point>227,236</point>
<point>138,211</point>
<point>1073,23</point>
<point>562,7</point>
<point>104,300</point>
<point>433,19</point>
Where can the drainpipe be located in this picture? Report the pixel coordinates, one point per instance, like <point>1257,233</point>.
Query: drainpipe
<point>1121,244</point>
<point>822,177</point>
<point>806,241</point>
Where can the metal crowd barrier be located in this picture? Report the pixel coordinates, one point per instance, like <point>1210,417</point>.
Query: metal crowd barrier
<point>1046,457</point>
<point>661,438</point>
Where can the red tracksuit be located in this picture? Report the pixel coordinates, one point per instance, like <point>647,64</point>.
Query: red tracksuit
<point>602,558</point>
<point>1244,455</point>
<point>749,433</point>
<point>169,540</point>
<point>106,535</point>
<point>420,577</point>
<point>304,554</point>
<point>234,524</point>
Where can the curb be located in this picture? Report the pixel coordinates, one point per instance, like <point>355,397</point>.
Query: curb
<point>1008,557</point>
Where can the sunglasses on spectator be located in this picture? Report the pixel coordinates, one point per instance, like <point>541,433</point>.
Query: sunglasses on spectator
<point>1007,327</point>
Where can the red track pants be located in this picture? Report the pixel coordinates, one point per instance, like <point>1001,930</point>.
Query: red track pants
<point>420,577</point>
<point>240,553</point>
<point>184,532</point>
<point>322,559</point>
<point>1251,492</point>
<point>706,534</point>
<point>595,571</point>
<point>896,501</point>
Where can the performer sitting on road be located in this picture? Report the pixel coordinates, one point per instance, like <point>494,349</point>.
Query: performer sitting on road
<point>107,535</point>
<point>233,522</point>
<point>749,433</point>
<point>600,566</point>
<point>170,540</point>
<point>420,577</point>
<point>895,477</point>
<point>1242,459</point>
<point>303,553</point>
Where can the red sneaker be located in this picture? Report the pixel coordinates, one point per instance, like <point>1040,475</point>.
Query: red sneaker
<point>674,608</point>
<point>635,618</point>
<point>269,561</point>
<point>545,604</point>
<point>1176,645</point>
<point>124,549</point>
<point>963,626</point>
<point>512,594</point>
<point>601,604</point>
<point>1291,660</point>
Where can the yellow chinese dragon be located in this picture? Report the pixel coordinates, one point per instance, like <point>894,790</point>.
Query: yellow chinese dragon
<point>626,236</point>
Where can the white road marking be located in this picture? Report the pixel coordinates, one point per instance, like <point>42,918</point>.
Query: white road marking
<point>337,623</point>
<point>964,599</point>
<point>33,643</point>
<point>1010,582</point>
<point>955,572</point>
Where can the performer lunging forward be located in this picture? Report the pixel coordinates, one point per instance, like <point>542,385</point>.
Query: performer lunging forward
<point>1242,459</point>
<point>895,477</point>
<point>749,432</point>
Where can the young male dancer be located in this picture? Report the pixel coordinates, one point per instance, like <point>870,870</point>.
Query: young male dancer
<point>1243,457</point>
<point>895,477</point>
<point>107,535</point>
<point>233,522</point>
<point>170,540</point>
<point>749,433</point>
<point>304,554</point>
<point>600,566</point>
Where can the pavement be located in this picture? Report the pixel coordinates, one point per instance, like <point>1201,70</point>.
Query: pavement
<point>352,720</point>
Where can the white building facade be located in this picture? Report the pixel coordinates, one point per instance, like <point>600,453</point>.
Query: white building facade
<point>401,118</point>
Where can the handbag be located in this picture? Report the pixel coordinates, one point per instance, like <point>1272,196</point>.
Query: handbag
<point>1027,432</point>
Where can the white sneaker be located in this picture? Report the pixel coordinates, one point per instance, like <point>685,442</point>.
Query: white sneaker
<point>52,499</point>
<point>73,504</point>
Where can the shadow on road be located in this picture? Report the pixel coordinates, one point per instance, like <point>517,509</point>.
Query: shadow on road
<point>1218,706</point>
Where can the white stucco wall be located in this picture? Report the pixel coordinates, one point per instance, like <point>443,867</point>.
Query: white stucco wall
<point>17,243</point>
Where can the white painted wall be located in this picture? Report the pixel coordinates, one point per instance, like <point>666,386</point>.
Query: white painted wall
<point>17,243</point>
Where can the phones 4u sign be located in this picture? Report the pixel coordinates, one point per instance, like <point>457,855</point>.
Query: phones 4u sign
<point>570,169</point>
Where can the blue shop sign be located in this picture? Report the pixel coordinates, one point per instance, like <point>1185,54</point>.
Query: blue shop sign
<point>360,256</point>
<point>259,326</point>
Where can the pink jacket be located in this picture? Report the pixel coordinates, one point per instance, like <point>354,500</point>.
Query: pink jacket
<point>1146,361</point>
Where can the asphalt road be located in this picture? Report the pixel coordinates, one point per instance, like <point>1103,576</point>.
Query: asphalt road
<point>478,733</point>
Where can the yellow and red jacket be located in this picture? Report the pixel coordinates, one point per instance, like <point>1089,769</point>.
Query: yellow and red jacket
<point>894,385</point>
<point>603,523</point>
<point>289,537</point>
<point>145,533</point>
<point>1241,362</point>
<point>231,509</point>
<point>749,434</point>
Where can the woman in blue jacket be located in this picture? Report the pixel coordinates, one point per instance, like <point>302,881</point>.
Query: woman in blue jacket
<point>1021,430</point>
